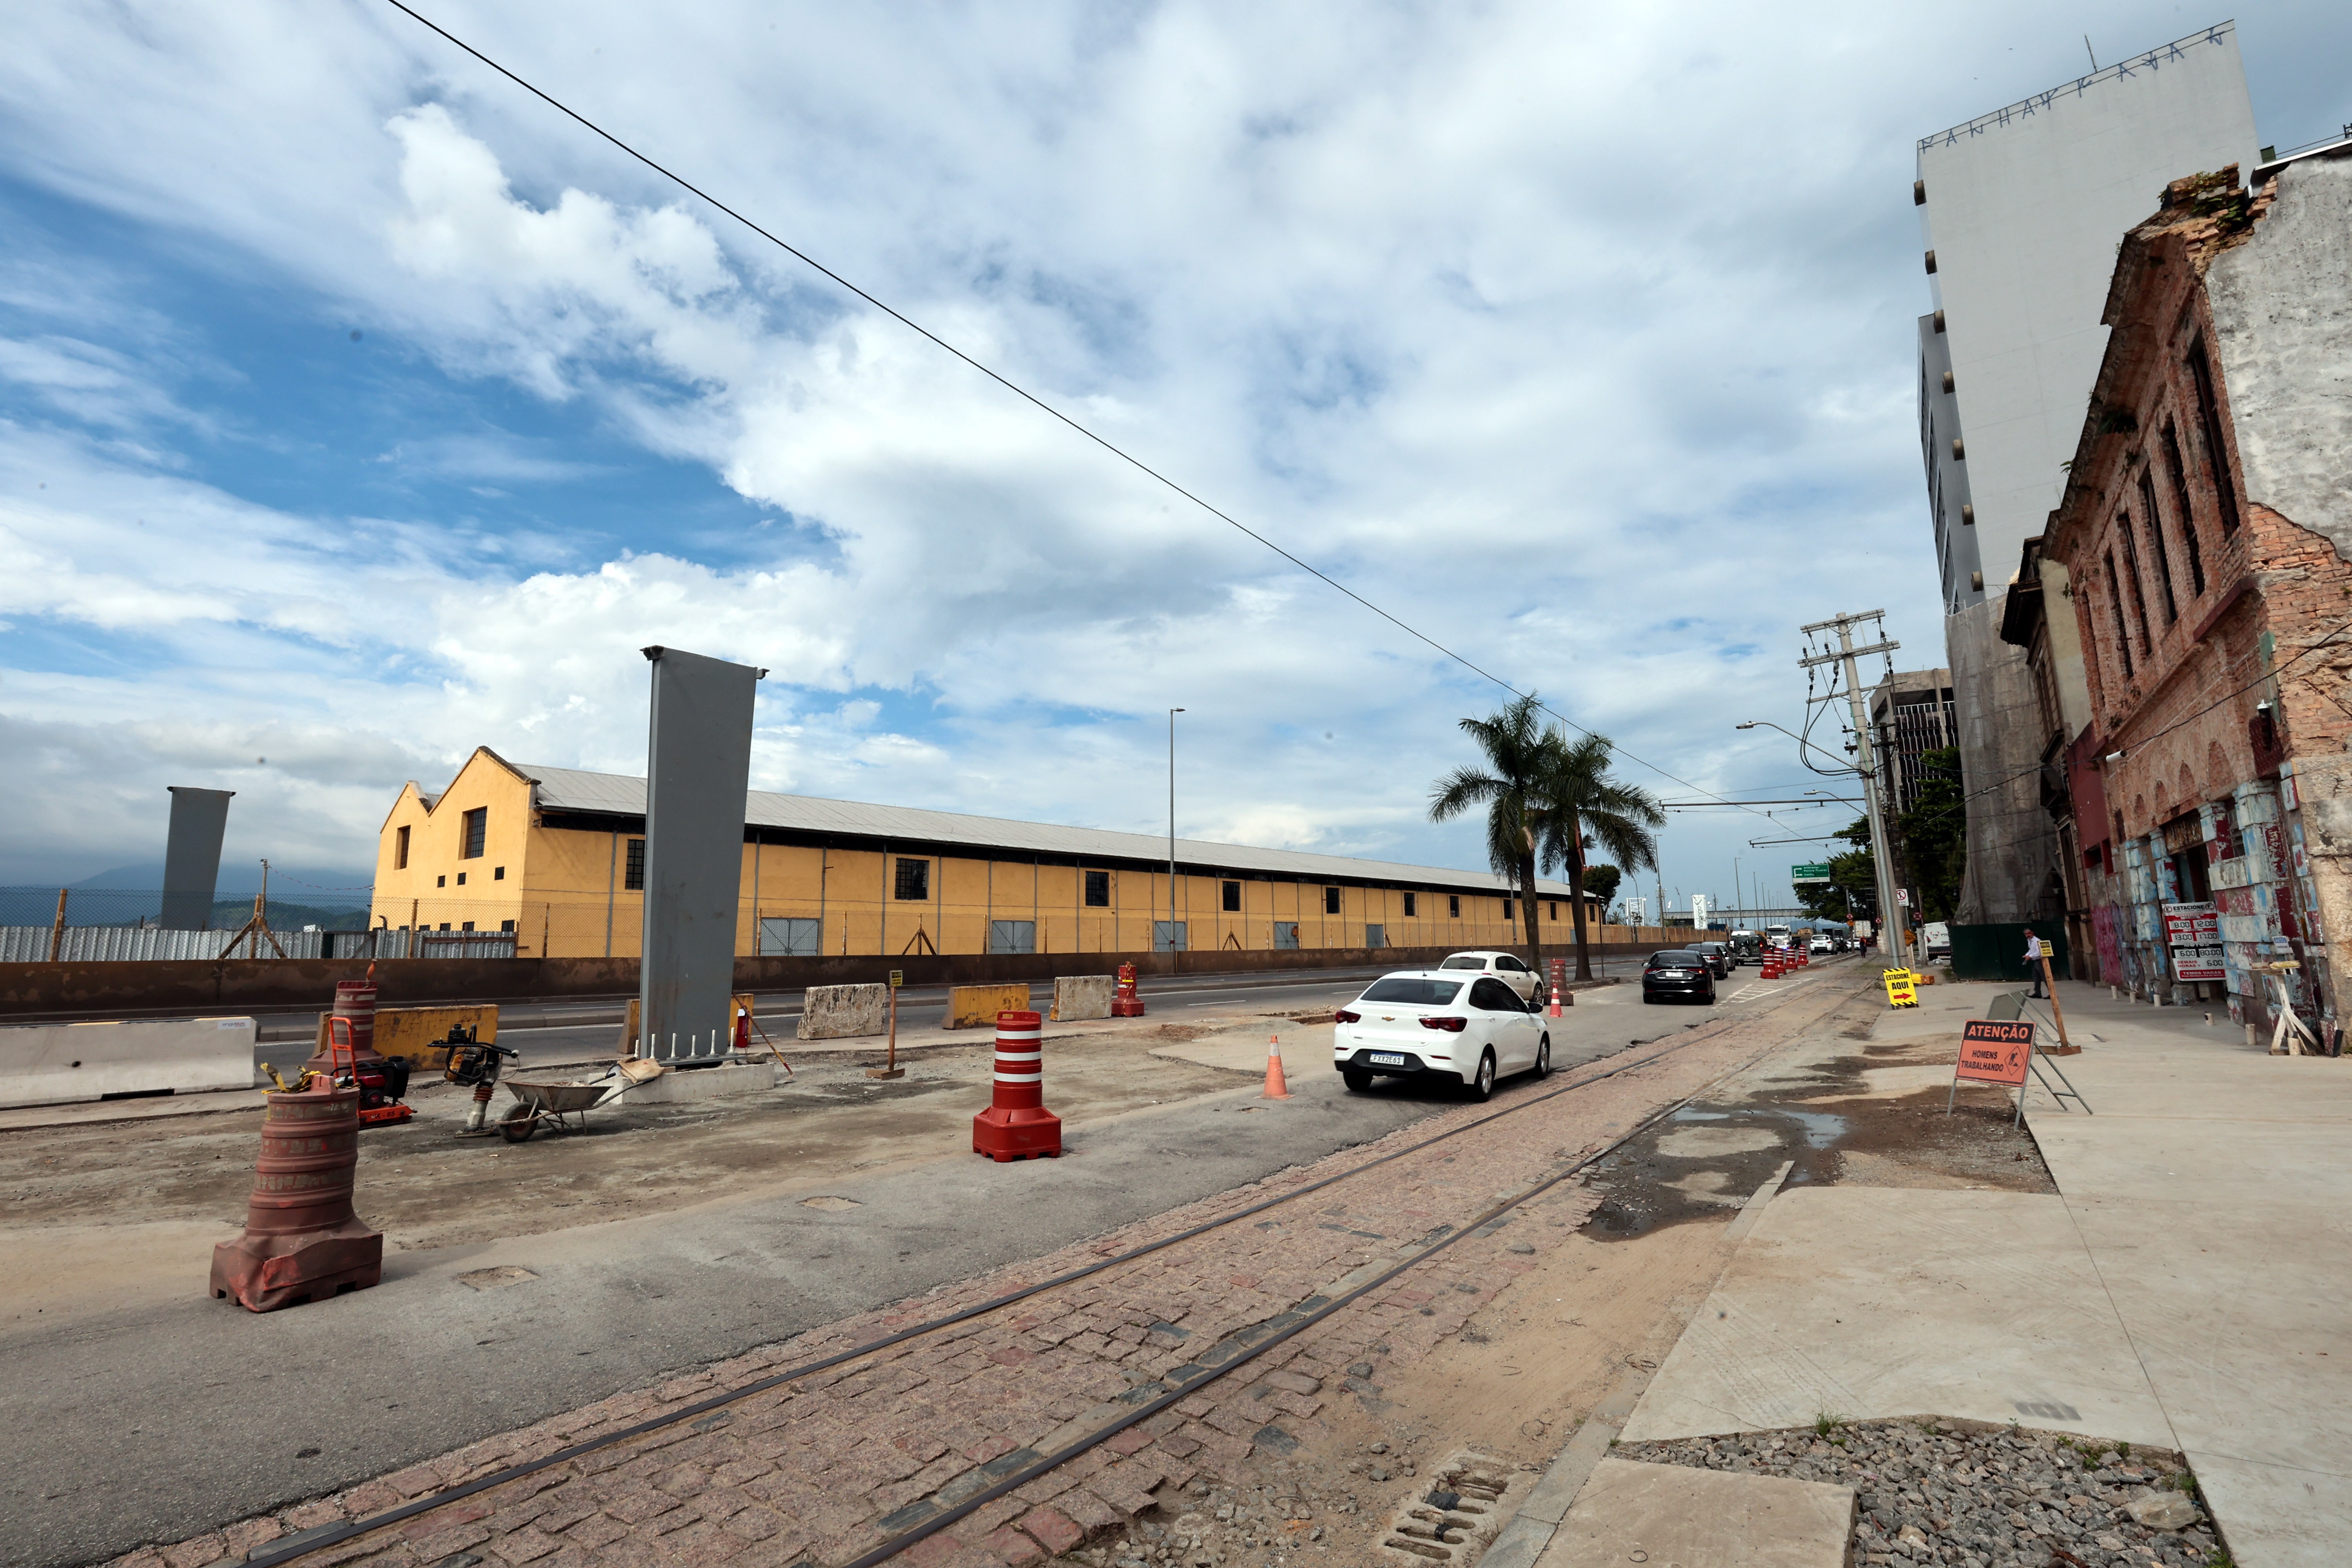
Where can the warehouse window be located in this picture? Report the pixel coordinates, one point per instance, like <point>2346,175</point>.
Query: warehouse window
<point>1454,906</point>
<point>1409,906</point>
<point>1552,910</point>
<point>476,829</point>
<point>461,878</point>
<point>1097,889</point>
<point>1232,896</point>
<point>468,926</point>
<point>1330,900</point>
<point>400,850</point>
<point>914,884</point>
<point>506,925</point>
<point>497,873</point>
<point>633,875</point>
<point>441,880</point>
<point>1510,909</point>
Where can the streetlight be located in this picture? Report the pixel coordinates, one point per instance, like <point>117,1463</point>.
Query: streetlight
<point>1171,831</point>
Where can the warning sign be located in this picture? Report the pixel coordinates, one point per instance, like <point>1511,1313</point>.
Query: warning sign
<point>1900,987</point>
<point>1993,1051</point>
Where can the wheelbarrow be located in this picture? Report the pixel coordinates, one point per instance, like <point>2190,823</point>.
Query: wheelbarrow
<point>562,1106</point>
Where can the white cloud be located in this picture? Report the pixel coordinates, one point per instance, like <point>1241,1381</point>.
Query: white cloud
<point>1577,339</point>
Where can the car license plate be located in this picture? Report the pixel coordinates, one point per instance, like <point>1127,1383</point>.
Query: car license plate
<point>1388,1061</point>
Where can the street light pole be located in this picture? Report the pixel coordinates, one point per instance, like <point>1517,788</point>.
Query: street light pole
<point>1171,835</point>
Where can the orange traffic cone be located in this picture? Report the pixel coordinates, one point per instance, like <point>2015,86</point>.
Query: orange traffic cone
<point>1275,1086</point>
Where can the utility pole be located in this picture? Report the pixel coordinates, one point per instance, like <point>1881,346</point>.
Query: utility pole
<point>1865,762</point>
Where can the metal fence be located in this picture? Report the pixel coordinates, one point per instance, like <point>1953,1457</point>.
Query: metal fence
<point>134,944</point>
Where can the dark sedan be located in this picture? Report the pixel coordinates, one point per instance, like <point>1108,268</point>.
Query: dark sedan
<point>1718,957</point>
<point>1678,975</point>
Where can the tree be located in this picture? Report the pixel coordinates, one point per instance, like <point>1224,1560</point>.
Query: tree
<point>1600,882</point>
<point>1515,747</point>
<point>1579,804</point>
<point>1934,835</point>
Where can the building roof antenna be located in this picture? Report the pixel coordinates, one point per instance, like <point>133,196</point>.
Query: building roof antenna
<point>2094,59</point>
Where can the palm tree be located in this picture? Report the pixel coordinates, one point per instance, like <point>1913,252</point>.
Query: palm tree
<point>1577,801</point>
<point>1516,747</point>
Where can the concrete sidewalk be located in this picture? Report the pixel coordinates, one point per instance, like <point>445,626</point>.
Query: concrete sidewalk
<point>2180,1290</point>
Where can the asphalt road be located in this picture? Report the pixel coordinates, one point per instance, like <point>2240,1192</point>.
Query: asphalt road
<point>157,1424</point>
<point>553,1034</point>
<point>163,1420</point>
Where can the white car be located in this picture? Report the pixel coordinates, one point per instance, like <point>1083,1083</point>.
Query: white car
<point>1470,1029</point>
<point>1823,945</point>
<point>1508,967</point>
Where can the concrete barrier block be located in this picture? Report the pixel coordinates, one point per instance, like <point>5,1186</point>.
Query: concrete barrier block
<point>59,1064</point>
<point>1084,997</point>
<point>976,1007</point>
<point>842,1011</point>
<point>677,1087</point>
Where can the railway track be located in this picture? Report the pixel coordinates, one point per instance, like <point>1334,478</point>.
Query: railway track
<point>1152,1398</point>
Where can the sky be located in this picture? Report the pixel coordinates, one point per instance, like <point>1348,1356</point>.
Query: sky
<point>358,408</point>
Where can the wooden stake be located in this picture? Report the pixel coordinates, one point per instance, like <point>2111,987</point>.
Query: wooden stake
<point>892,1070</point>
<point>58,932</point>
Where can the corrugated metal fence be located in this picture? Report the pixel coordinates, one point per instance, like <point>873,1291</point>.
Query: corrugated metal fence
<point>100,945</point>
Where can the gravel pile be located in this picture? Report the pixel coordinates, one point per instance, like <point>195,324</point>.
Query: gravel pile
<point>1287,1519</point>
<point>1965,1492</point>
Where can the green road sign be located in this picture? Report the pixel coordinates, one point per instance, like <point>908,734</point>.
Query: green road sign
<point>1809,873</point>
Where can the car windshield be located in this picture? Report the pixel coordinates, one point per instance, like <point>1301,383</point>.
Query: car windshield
<point>1413,993</point>
<point>1673,960</point>
<point>1464,963</point>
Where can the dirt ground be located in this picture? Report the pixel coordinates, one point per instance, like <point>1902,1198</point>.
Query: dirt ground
<point>93,1202</point>
<point>1850,1110</point>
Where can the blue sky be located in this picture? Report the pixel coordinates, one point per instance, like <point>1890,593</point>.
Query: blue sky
<point>1535,324</point>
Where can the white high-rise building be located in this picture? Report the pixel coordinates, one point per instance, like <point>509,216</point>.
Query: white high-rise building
<point>2022,210</point>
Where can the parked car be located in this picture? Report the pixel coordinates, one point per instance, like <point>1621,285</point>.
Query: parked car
<point>1718,957</point>
<point>1935,937</point>
<point>1746,947</point>
<point>1508,967</point>
<point>1677,973</point>
<point>1441,1024</point>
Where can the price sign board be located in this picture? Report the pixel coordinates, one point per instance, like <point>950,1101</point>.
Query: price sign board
<point>2193,932</point>
<point>1815,873</point>
<point>1994,1051</point>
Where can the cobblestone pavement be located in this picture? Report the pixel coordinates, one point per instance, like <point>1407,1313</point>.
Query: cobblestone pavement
<point>1979,1496</point>
<point>826,1467</point>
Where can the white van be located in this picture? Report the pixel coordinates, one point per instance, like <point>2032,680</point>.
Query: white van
<point>1935,937</point>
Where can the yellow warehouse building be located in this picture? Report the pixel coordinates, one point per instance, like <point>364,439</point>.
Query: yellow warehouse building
<point>555,857</point>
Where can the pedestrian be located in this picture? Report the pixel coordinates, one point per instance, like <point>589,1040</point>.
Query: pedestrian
<point>2033,962</point>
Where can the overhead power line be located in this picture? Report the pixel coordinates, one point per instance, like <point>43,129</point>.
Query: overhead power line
<point>1018,389</point>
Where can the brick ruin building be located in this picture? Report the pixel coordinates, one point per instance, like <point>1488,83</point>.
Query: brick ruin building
<point>2205,542</point>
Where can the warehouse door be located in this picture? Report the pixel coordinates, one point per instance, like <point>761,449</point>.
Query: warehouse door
<point>1012,936</point>
<point>1168,936</point>
<point>1285,934</point>
<point>1376,936</point>
<point>791,938</point>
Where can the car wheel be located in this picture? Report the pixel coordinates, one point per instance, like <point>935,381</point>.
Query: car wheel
<point>1543,1057</point>
<point>1356,1078</point>
<point>1647,998</point>
<point>1481,1086</point>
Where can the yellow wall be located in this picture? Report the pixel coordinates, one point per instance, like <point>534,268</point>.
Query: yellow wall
<point>430,891</point>
<point>564,891</point>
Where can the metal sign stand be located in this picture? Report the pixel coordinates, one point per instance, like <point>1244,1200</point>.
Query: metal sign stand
<point>2061,1095</point>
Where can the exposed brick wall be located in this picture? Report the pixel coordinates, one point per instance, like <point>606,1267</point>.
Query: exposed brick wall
<point>2196,604</point>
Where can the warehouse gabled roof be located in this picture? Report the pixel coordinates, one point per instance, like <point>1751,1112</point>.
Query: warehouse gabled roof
<point>619,794</point>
